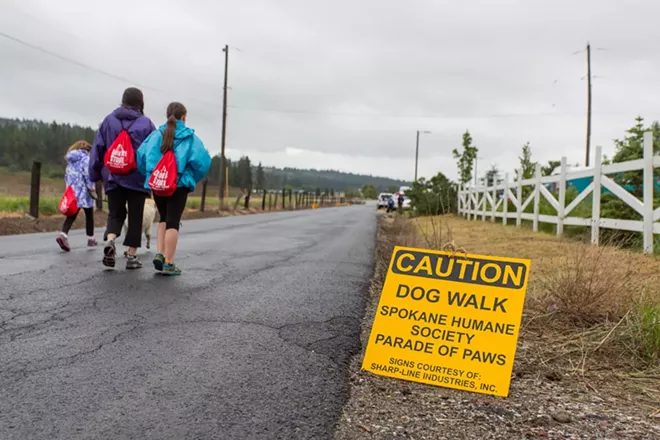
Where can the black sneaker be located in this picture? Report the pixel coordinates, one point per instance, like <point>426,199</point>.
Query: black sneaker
<point>109,254</point>
<point>159,261</point>
<point>133,262</point>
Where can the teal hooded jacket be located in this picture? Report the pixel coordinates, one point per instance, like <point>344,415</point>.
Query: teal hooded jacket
<point>192,159</point>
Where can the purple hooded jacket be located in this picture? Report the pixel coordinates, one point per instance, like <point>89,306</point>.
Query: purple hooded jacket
<point>110,128</point>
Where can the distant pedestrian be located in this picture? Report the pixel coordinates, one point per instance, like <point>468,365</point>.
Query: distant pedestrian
<point>400,200</point>
<point>113,160</point>
<point>77,177</point>
<point>390,205</point>
<point>174,160</point>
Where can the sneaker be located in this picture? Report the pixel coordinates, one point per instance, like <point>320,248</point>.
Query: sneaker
<point>159,261</point>
<point>91,242</point>
<point>63,242</point>
<point>171,270</point>
<point>133,262</point>
<point>109,254</point>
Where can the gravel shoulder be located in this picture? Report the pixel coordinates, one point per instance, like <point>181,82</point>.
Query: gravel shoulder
<point>545,400</point>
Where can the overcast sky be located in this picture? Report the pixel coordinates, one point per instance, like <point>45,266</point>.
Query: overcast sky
<point>345,84</point>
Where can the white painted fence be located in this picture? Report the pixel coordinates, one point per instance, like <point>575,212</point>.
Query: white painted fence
<point>484,201</point>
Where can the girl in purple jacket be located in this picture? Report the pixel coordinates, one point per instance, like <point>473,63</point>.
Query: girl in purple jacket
<point>126,193</point>
<point>77,177</point>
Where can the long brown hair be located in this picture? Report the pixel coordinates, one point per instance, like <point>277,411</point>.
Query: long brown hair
<point>175,111</point>
<point>80,145</point>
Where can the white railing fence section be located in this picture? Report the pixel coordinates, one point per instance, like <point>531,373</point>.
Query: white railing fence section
<point>482,201</point>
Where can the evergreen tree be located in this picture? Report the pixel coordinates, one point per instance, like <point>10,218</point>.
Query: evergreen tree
<point>244,173</point>
<point>466,158</point>
<point>492,176</point>
<point>527,167</point>
<point>260,177</point>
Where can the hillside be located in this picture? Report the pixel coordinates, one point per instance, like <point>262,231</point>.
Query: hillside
<point>22,141</point>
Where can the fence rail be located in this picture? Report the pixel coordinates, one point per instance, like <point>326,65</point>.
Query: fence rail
<point>485,201</point>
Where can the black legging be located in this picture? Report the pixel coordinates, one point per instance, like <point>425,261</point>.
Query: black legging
<point>170,209</point>
<point>124,202</point>
<point>89,222</point>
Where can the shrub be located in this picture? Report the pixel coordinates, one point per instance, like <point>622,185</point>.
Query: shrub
<point>587,284</point>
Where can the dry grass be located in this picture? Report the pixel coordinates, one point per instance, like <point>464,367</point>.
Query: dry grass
<point>588,308</point>
<point>582,367</point>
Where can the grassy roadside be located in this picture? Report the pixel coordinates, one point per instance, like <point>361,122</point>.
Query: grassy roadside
<point>16,223</point>
<point>587,362</point>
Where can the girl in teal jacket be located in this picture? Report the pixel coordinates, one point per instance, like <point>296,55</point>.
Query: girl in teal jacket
<point>192,162</point>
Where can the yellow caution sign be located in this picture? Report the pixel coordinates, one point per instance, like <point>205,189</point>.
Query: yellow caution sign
<point>449,320</point>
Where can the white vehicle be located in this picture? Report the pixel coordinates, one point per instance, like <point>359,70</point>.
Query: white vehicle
<point>382,200</point>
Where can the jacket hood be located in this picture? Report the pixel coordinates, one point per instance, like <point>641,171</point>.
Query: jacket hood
<point>181,132</point>
<point>75,155</point>
<point>126,113</point>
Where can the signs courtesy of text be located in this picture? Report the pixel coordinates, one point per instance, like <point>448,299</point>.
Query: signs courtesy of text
<point>449,320</point>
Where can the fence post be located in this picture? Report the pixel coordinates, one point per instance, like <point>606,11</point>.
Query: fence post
<point>283,199</point>
<point>648,192</point>
<point>493,205</point>
<point>469,203</point>
<point>201,206</point>
<point>519,197</point>
<point>595,207</point>
<point>99,196</point>
<point>505,200</point>
<point>484,202</point>
<point>458,201</point>
<point>35,185</point>
<point>537,198</point>
<point>562,197</point>
<point>247,198</point>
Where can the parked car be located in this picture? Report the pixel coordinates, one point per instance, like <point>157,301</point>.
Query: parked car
<point>406,201</point>
<point>382,200</point>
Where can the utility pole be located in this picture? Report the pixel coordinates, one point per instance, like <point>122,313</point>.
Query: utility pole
<point>223,159</point>
<point>417,150</point>
<point>416,154</point>
<point>586,159</point>
<point>476,162</point>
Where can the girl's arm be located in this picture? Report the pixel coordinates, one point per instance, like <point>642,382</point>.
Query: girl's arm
<point>200,160</point>
<point>96,157</point>
<point>85,171</point>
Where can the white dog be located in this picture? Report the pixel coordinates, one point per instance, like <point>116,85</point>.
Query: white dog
<point>148,217</point>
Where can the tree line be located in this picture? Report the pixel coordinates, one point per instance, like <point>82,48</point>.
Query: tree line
<point>25,141</point>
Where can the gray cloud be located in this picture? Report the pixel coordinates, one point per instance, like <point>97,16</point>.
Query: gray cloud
<point>345,84</point>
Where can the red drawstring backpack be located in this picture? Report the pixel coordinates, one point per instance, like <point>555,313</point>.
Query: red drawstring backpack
<point>163,178</point>
<point>69,204</point>
<point>120,157</point>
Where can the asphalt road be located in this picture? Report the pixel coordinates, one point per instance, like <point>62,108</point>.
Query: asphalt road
<point>252,341</point>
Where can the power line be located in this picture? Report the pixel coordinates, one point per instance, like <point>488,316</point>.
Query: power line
<point>410,116</point>
<point>72,61</point>
<point>95,69</point>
